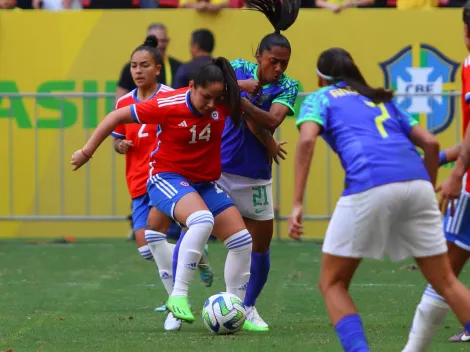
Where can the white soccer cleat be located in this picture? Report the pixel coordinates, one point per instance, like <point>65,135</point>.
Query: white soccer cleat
<point>253,317</point>
<point>171,323</point>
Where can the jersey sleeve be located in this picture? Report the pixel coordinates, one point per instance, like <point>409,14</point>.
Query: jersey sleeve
<point>288,96</point>
<point>314,109</point>
<point>406,120</point>
<point>119,132</point>
<point>148,112</point>
<point>238,66</point>
<point>466,82</point>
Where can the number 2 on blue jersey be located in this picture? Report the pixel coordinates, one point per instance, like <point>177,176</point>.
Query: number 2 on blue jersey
<point>380,119</point>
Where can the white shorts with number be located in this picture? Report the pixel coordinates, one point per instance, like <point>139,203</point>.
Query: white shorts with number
<point>399,219</point>
<point>252,197</point>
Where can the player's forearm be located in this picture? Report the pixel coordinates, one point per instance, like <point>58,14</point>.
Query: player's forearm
<point>258,115</point>
<point>262,134</point>
<point>105,128</point>
<point>303,159</point>
<point>450,154</point>
<point>463,161</point>
<point>431,161</point>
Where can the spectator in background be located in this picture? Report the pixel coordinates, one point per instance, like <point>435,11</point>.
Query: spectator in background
<point>340,5</point>
<point>417,4</point>
<point>108,4</point>
<point>7,4</point>
<point>148,4</point>
<point>57,5</point>
<point>210,6</point>
<point>169,67</point>
<point>202,45</point>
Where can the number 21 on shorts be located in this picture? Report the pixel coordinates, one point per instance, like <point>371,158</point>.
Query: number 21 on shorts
<point>260,196</point>
<point>380,119</point>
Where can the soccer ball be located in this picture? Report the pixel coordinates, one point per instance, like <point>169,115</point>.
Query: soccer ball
<point>223,313</point>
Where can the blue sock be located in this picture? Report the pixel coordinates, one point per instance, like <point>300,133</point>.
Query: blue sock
<point>260,265</point>
<point>351,334</point>
<point>174,265</point>
<point>467,326</point>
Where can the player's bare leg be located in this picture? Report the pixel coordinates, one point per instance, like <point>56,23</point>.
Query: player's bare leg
<point>193,212</point>
<point>439,273</point>
<point>433,309</point>
<point>230,229</point>
<point>458,258</point>
<point>335,278</point>
<point>261,233</point>
<point>162,252</point>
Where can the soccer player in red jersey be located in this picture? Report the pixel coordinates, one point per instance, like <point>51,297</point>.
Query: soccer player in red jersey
<point>433,309</point>
<point>185,166</point>
<point>137,142</point>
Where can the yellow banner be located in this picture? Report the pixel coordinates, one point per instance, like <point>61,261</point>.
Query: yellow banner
<point>85,51</point>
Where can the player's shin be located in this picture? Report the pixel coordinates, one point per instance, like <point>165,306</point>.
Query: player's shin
<point>176,255</point>
<point>429,315</point>
<point>260,266</point>
<point>200,225</point>
<point>162,253</point>
<point>237,265</point>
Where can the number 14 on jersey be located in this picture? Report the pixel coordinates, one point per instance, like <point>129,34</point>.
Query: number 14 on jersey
<point>204,134</point>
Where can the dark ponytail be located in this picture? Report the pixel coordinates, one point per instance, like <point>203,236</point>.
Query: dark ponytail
<point>281,14</point>
<point>336,64</point>
<point>150,45</point>
<point>220,70</point>
<point>466,13</point>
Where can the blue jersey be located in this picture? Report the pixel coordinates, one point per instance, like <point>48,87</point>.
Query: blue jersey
<point>371,140</point>
<point>242,153</point>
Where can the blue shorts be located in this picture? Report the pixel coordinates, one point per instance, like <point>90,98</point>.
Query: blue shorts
<point>457,227</point>
<point>140,211</point>
<point>167,188</point>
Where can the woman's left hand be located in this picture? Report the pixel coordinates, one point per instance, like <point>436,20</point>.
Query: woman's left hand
<point>295,226</point>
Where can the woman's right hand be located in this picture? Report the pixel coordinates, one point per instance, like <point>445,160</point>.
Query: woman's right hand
<point>275,151</point>
<point>79,158</point>
<point>251,86</point>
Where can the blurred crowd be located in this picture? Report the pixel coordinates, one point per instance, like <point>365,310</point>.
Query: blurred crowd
<point>214,6</point>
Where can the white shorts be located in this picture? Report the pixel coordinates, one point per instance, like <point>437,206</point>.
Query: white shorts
<point>399,219</point>
<point>252,197</point>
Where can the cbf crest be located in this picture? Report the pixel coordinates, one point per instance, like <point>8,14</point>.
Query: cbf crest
<point>419,69</point>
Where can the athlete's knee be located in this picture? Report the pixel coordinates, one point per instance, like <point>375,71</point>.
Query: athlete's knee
<point>154,237</point>
<point>240,241</point>
<point>261,243</point>
<point>327,283</point>
<point>445,285</point>
<point>202,219</point>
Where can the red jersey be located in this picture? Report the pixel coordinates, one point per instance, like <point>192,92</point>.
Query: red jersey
<point>144,138</point>
<point>189,143</point>
<point>465,105</point>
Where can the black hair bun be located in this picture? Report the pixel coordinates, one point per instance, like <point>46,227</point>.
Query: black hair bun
<point>151,41</point>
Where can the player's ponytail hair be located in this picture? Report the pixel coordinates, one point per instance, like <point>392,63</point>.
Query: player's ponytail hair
<point>281,14</point>
<point>150,45</point>
<point>336,64</point>
<point>220,70</point>
<point>466,13</point>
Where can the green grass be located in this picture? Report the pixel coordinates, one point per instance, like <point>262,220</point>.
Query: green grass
<point>99,296</point>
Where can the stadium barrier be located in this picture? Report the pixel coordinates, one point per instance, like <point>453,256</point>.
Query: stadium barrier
<point>84,51</point>
<point>41,194</point>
